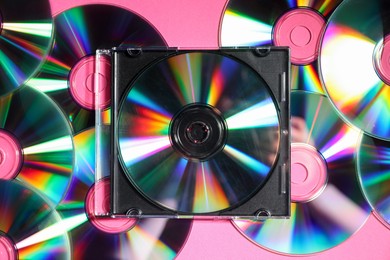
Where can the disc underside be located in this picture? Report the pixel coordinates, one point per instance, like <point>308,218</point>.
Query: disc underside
<point>317,225</point>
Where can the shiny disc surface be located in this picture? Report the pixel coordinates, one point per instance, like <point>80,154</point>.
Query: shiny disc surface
<point>44,138</point>
<point>355,66</point>
<point>31,223</point>
<point>250,23</point>
<point>253,23</point>
<point>25,38</point>
<point>171,129</point>
<point>374,167</point>
<point>149,238</point>
<point>80,31</point>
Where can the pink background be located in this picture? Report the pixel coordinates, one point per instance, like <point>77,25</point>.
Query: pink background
<point>189,23</point>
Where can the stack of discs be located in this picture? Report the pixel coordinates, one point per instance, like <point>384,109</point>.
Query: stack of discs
<point>355,67</point>
<point>357,78</point>
<point>296,24</point>
<point>104,237</point>
<point>323,173</point>
<point>67,75</point>
<point>25,38</point>
<point>37,145</point>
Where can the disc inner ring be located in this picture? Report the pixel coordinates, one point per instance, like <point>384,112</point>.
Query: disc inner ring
<point>301,30</point>
<point>97,202</point>
<point>198,131</point>
<point>382,59</point>
<point>308,172</point>
<point>7,248</point>
<point>11,156</point>
<point>89,85</point>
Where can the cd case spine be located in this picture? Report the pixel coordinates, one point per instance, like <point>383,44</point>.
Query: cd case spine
<point>194,133</point>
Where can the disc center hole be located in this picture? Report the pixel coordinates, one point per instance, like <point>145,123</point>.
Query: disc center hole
<point>91,85</point>
<point>300,36</point>
<point>197,132</point>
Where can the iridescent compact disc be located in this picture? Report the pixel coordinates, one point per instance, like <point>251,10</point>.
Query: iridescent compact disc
<point>67,75</point>
<point>198,132</point>
<point>36,144</point>
<point>94,237</point>
<point>327,203</point>
<point>374,168</point>
<point>293,23</point>
<point>355,64</point>
<point>29,227</point>
<point>25,38</point>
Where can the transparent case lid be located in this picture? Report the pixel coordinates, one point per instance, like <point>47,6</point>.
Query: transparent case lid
<point>193,133</point>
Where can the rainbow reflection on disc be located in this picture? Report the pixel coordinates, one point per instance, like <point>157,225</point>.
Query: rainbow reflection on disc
<point>191,140</point>
<point>45,145</point>
<point>316,224</point>
<point>149,238</point>
<point>297,24</point>
<point>374,168</point>
<point>83,175</point>
<point>254,23</point>
<point>66,74</point>
<point>306,78</point>
<point>30,224</point>
<point>355,65</point>
<point>25,38</point>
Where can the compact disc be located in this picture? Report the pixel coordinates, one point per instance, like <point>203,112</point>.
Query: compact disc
<point>29,227</point>
<point>373,168</point>
<point>327,204</point>
<point>67,75</point>
<point>296,24</point>
<point>191,140</point>
<point>25,38</point>
<point>36,144</point>
<point>94,237</point>
<point>355,64</point>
